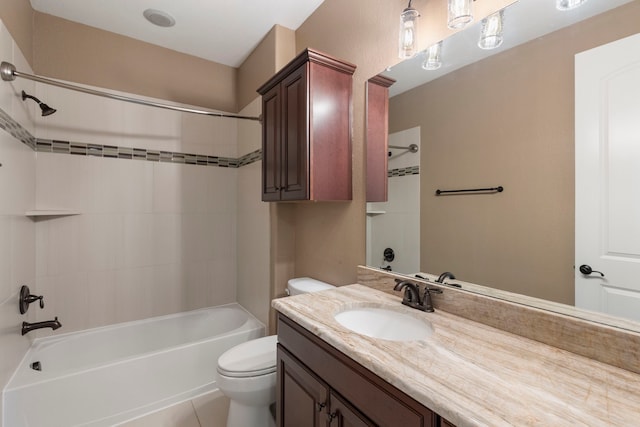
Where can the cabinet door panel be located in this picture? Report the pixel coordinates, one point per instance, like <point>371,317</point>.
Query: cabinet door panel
<point>295,138</point>
<point>345,415</point>
<point>302,398</point>
<point>270,145</point>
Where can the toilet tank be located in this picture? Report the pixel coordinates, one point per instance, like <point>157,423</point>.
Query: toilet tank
<point>305,285</point>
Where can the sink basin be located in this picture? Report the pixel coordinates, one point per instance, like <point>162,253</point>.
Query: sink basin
<point>384,323</point>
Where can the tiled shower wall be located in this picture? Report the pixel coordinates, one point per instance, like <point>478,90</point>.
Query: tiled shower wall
<point>399,226</point>
<point>17,194</point>
<point>152,237</point>
<point>162,211</point>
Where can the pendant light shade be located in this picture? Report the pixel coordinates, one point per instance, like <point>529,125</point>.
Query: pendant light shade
<point>491,35</point>
<point>408,32</point>
<point>433,57</point>
<point>459,14</point>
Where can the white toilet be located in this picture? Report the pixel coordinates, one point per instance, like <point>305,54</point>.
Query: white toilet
<point>247,372</point>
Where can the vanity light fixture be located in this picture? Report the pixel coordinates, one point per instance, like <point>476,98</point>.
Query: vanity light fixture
<point>408,32</point>
<point>491,35</point>
<point>459,14</point>
<point>569,4</point>
<point>433,60</point>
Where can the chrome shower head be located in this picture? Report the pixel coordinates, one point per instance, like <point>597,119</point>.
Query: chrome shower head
<point>46,110</point>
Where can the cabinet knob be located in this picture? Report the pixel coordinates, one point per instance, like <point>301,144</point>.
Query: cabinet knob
<point>331,416</point>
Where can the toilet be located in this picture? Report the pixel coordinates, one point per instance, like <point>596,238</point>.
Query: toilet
<point>247,372</point>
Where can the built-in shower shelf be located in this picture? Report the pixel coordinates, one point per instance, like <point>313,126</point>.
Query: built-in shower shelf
<point>374,213</point>
<point>50,212</point>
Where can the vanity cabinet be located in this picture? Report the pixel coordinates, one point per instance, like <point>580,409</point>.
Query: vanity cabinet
<point>320,386</point>
<point>377,137</point>
<point>306,130</point>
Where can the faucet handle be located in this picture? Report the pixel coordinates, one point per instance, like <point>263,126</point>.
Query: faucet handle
<point>26,298</point>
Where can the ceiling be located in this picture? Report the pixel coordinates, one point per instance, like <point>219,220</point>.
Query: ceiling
<point>222,31</point>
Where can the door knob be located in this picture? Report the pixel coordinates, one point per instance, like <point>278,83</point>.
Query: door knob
<point>586,270</point>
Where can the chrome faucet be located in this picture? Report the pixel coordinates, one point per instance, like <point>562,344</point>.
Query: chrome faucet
<point>412,295</point>
<point>28,327</point>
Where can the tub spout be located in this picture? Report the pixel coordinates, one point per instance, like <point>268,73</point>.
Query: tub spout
<point>28,327</point>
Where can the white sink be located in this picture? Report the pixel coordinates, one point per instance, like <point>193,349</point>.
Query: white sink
<point>384,323</point>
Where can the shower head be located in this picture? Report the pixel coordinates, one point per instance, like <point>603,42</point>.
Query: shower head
<point>46,110</point>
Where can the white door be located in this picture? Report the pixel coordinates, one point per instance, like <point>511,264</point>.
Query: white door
<point>607,155</point>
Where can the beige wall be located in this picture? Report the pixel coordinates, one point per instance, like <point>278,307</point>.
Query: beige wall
<point>330,237</point>
<point>17,16</point>
<point>515,128</point>
<point>274,51</point>
<point>78,53</point>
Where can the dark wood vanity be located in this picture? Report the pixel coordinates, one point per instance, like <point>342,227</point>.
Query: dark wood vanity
<point>320,386</point>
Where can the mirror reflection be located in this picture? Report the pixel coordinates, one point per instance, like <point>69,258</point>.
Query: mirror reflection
<point>507,117</point>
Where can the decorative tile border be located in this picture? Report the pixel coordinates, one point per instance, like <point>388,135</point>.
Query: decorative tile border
<point>111,151</point>
<point>14,129</point>
<point>410,170</point>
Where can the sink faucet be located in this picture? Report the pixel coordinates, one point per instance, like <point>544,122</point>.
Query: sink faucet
<point>412,295</point>
<point>28,327</point>
<point>445,275</point>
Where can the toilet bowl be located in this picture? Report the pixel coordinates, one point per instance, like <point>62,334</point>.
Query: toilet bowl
<point>247,372</point>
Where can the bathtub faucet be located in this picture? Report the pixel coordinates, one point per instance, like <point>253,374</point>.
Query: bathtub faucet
<point>28,327</point>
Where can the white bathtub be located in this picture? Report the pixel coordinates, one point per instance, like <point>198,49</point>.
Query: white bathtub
<point>105,376</point>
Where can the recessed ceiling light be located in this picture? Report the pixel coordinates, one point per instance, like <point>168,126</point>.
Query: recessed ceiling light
<point>159,18</point>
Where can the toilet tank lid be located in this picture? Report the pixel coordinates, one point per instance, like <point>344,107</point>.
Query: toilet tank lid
<point>251,358</point>
<point>308,284</point>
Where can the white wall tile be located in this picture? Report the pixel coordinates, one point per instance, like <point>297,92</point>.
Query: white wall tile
<point>79,117</point>
<point>138,241</point>
<point>23,111</point>
<point>250,132</point>
<point>213,136</point>
<point>61,182</point>
<point>167,187</point>
<point>102,297</point>
<point>149,127</point>
<point>17,176</point>
<point>222,277</point>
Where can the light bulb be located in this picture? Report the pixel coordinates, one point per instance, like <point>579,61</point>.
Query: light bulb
<point>432,60</point>
<point>408,32</point>
<point>569,4</point>
<point>491,35</point>
<point>459,14</point>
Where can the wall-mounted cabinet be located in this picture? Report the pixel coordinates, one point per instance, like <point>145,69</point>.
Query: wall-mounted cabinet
<point>377,137</point>
<point>306,130</point>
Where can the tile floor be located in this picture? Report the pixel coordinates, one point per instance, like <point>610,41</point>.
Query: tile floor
<point>209,410</point>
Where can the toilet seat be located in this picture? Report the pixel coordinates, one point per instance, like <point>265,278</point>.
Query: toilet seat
<point>250,359</point>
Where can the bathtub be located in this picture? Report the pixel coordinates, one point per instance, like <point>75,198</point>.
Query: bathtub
<point>106,376</point>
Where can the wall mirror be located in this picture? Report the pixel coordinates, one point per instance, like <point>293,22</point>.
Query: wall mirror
<point>502,117</point>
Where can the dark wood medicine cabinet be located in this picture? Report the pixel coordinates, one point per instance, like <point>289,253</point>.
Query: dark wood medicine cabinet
<point>377,137</point>
<point>306,130</point>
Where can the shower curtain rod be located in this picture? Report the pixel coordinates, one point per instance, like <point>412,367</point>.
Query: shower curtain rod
<point>413,148</point>
<point>9,73</point>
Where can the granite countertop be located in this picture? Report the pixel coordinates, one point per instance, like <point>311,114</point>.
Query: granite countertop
<point>473,374</point>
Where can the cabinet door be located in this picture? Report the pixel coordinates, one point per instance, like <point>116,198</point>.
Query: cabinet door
<point>377,137</point>
<point>295,136</point>
<point>302,397</point>
<point>342,414</point>
<point>271,122</point>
